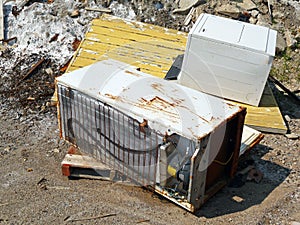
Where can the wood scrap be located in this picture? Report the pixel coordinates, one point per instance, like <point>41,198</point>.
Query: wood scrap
<point>76,44</point>
<point>269,9</point>
<point>143,221</point>
<point>65,66</point>
<point>54,38</point>
<point>90,218</point>
<point>58,187</point>
<point>33,68</point>
<point>104,10</point>
<point>22,4</point>
<point>290,93</point>
<point>9,40</point>
<point>189,17</point>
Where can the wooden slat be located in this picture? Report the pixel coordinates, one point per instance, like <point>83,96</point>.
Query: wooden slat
<point>153,50</point>
<point>267,116</point>
<point>139,28</point>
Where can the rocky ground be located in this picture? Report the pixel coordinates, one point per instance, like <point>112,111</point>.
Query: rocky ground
<point>32,189</point>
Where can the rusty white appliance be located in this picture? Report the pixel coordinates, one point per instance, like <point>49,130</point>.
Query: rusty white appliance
<point>228,58</point>
<point>179,142</point>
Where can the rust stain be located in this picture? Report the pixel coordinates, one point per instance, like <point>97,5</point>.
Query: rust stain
<point>177,101</point>
<point>158,104</point>
<point>112,96</point>
<point>156,86</point>
<point>132,73</point>
<point>230,104</point>
<point>161,100</point>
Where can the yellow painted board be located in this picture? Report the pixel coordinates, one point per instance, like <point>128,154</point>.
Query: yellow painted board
<point>142,29</point>
<point>136,56</point>
<point>153,50</point>
<point>267,116</point>
<point>80,62</point>
<point>161,48</point>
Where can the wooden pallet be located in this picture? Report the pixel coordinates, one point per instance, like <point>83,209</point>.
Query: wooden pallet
<point>77,165</point>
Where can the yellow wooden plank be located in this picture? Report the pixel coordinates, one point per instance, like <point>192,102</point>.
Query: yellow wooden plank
<point>158,47</point>
<point>136,55</point>
<point>131,56</point>
<point>267,116</point>
<point>154,70</point>
<point>153,50</point>
<point>142,29</point>
<point>130,36</point>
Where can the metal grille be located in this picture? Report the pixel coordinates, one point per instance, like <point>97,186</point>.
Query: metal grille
<point>109,135</point>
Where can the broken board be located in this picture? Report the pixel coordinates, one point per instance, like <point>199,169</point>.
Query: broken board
<point>153,49</point>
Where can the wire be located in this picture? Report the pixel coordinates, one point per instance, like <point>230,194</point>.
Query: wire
<point>224,163</point>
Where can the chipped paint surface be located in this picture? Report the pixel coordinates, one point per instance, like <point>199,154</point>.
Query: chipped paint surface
<point>165,105</point>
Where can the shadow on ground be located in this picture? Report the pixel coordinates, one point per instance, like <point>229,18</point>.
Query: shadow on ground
<point>230,200</point>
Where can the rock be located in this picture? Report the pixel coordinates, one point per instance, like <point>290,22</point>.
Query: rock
<point>263,9</point>
<point>247,5</point>
<point>278,15</point>
<point>75,13</point>
<point>290,41</point>
<point>295,223</point>
<point>229,10</point>
<point>237,199</point>
<point>257,2</point>
<point>49,71</point>
<point>56,150</point>
<point>287,118</point>
<point>187,4</point>
<point>292,136</point>
<point>280,43</point>
<point>254,13</point>
<point>263,20</point>
<point>159,5</point>
<point>296,6</point>
<point>253,20</point>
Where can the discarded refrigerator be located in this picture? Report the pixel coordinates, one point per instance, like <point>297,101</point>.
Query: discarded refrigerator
<point>179,142</point>
<point>228,58</point>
